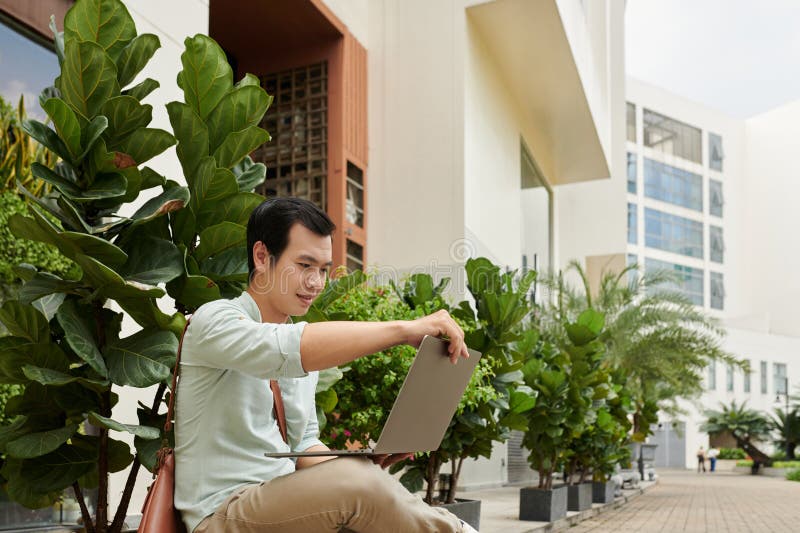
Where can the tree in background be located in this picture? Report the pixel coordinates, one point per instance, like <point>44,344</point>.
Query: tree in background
<point>654,335</point>
<point>747,426</point>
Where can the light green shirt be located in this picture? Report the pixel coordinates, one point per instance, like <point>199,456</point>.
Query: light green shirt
<point>224,419</point>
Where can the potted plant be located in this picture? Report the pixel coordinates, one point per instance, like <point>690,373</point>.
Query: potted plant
<point>65,345</point>
<point>492,405</point>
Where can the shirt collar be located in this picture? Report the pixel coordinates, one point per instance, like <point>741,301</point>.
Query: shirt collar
<point>251,308</point>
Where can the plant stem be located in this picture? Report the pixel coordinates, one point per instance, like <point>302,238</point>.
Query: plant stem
<point>87,518</point>
<point>456,473</point>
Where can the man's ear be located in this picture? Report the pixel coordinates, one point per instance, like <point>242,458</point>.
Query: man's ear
<point>261,255</point>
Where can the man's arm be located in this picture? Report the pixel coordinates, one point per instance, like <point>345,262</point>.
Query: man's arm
<point>329,344</point>
<point>305,462</point>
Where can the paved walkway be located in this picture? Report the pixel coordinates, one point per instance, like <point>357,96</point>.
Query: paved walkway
<point>681,501</point>
<point>723,501</point>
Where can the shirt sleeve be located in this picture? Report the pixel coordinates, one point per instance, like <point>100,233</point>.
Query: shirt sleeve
<point>221,336</point>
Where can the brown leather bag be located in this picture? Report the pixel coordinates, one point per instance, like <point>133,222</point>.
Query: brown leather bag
<point>158,512</point>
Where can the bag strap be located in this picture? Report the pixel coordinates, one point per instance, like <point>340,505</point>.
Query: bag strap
<point>174,388</point>
<point>277,409</point>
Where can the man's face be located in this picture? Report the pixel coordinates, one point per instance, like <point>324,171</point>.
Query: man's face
<point>291,284</point>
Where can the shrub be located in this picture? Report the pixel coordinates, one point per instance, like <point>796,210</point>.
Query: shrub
<point>731,453</point>
<point>786,464</point>
<point>793,475</point>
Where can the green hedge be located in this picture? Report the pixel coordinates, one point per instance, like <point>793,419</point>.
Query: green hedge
<point>793,475</point>
<point>731,453</point>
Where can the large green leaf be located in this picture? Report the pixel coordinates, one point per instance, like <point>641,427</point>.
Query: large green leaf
<point>59,469</point>
<point>25,321</point>
<point>44,284</point>
<point>66,124</point>
<point>47,138</point>
<point>151,178</point>
<point>104,186</point>
<point>168,201</point>
<point>192,135</point>
<point>236,209</point>
<point>219,238</point>
<point>48,305</point>
<point>125,115</point>
<point>40,443</point>
<point>143,359</point>
<point>146,143</point>
<point>98,248</point>
<point>152,261</point>
<point>88,77</point>
<point>19,489</point>
<point>230,265</point>
<point>238,110</point>
<point>238,144</point>
<point>17,353</point>
<point>147,314</point>
<point>143,432</point>
<point>211,185</point>
<point>142,89</point>
<point>135,56</point>
<point>206,76</point>
<point>50,377</point>
<point>193,291</point>
<point>592,319</point>
<point>64,185</point>
<point>249,175</point>
<point>146,451</point>
<point>13,431</point>
<point>105,22</point>
<point>77,324</point>
<point>91,134</point>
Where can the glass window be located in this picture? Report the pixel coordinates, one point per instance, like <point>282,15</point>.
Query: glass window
<point>779,378</point>
<point>631,173</point>
<point>632,226</point>
<point>717,291</point>
<point>689,280</point>
<point>747,381</point>
<point>715,155</point>
<point>715,197</point>
<point>673,185</point>
<point>716,244</point>
<point>763,377</point>
<point>672,137</point>
<point>712,375</point>
<point>633,274</point>
<point>673,233</point>
<point>729,378</point>
<point>27,69</point>
<point>631,122</point>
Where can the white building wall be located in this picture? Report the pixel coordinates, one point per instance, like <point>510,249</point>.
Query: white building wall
<point>771,255</point>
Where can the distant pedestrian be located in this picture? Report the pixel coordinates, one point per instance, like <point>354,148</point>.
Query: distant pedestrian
<point>701,459</point>
<point>713,453</point>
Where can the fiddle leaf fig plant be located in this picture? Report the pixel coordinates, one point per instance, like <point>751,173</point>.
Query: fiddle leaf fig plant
<point>65,346</point>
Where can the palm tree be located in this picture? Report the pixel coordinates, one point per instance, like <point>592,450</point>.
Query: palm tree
<point>653,334</point>
<point>747,426</point>
<point>787,426</point>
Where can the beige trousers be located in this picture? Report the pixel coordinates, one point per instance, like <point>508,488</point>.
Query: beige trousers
<point>340,494</point>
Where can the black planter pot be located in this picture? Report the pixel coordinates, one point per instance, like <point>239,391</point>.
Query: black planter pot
<point>543,505</point>
<point>467,510</point>
<point>579,497</point>
<point>603,492</point>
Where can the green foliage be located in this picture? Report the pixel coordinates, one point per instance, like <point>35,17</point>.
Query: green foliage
<point>747,426</point>
<point>656,336</point>
<point>787,428</point>
<point>793,475</point>
<point>731,453</point>
<point>786,464</point>
<point>65,350</point>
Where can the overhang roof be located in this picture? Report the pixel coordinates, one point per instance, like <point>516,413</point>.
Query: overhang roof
<point>528,42</point>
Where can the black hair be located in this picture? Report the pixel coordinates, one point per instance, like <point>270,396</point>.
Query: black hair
<point>272,219</point>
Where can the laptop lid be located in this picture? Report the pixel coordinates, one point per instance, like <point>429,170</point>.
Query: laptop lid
<point>427,400</point>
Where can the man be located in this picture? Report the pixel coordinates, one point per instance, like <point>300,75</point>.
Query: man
<point>701,459</point>
<point>224,416</point>
<point>713,453</point>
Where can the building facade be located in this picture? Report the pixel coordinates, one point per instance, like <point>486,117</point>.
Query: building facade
<point>707,200</point>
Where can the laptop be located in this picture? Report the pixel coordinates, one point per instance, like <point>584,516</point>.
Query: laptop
<point>424,407</point>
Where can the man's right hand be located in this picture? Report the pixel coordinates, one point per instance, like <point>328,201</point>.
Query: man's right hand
<point>438,324</point>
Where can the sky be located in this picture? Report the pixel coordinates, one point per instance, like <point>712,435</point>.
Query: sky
<point>25,69</point>
<point>741,57</point>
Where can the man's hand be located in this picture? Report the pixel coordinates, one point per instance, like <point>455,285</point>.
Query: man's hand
<point>388,459</point>
<point>439,324</point>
